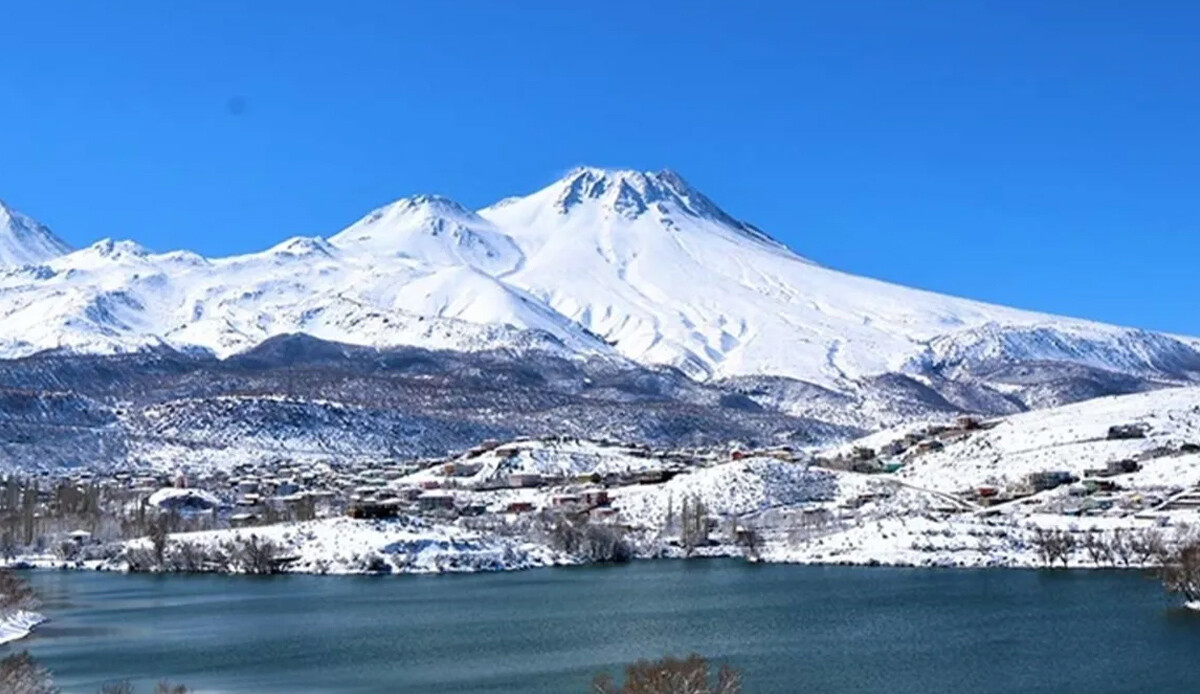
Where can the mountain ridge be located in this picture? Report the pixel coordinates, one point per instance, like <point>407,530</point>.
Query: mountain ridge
<point>617,263</point>
<point>24,240</point>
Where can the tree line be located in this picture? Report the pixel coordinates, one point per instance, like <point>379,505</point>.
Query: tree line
<point>1176,560</point>
<point>249,554</point>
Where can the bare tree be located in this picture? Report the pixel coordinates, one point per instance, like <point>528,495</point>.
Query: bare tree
<point>8,546</point>
<point>158,536</point>
<point>1181,571</point>
<point>605,543</point>
<point>187,557</point>
<point>139,559</point>
<point>1042,544</point>
<point>1148,545</point>
<point>256,555</point>
<point>565,532</point>
<point>21,674</point>
<point>1064,543</point>
<point>578,536</point>
<point>693,517</point>
<point>15,593</point>
<point>669,675</point>
<point>1121,546</point>
<point>1053,545</point>
<point>1098,548</point>
<point>749,539</point>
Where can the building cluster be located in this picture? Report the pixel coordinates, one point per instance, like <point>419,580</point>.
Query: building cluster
<point>895,454</point>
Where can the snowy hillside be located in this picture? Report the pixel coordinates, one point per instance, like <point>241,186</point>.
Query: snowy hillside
<point>24,241</point>
<point>618,263</point>
<point>1073,438</point>
<point>300,398</point>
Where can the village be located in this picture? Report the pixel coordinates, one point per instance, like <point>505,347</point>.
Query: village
<point>963,491</point>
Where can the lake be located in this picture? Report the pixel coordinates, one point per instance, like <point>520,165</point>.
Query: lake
<point>789,628</point>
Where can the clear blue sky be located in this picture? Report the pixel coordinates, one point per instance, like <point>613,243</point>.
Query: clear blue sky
<point>1039,154</point>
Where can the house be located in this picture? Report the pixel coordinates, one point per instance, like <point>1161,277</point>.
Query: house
<point>519,507</point>
<point>183,501</point>
<point>1121,467</point>
<point>1049,479</point>
<point>987,491</point>
<point>474,508</point>
<point>602,513</point>
<point>484,447</point>
<point>286,488</point>
<point>465,468</point>
<point>566,500</point>
<point>249,500</point>
<point>434,500</point>
<point>525,479</point>
<point>1100,485</point>
<point>595,497</point>
<point>1127,431</point>
<point>966,422</point>
<point>374,510</point>
<point>409,493</point>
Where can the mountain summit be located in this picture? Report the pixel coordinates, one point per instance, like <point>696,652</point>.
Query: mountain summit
<point>623,264</point>
<point>598,195</point>
<point>25,241</point>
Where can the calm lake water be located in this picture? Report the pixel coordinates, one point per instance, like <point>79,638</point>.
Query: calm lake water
<point>790,628</point>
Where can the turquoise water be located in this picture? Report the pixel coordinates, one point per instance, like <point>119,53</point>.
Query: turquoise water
<point>790,628</point>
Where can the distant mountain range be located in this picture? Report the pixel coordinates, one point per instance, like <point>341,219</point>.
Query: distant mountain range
<point>633,269</point>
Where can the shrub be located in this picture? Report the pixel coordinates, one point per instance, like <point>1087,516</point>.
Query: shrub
<point>15,593</point>
<point>669,675</point>
<point>21,674</point>
<point>255,555</point>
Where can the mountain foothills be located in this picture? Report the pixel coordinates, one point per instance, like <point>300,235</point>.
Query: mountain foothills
<point>603,289</point>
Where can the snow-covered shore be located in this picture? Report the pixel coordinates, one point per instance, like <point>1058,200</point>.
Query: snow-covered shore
<point>18,625</point>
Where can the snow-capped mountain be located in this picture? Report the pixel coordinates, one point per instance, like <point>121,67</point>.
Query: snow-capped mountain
<point>619,264</point>
<point>24,240</point>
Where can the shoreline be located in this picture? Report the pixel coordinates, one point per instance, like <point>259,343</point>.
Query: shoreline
<point>19,625</point>
<point>1010,563</point>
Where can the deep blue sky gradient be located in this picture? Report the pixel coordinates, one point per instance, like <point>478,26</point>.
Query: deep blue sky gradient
<point>1042,155</point>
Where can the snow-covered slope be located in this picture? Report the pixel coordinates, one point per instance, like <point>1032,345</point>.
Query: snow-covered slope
<point>620,263</point>
<point>24,240</point>
<point>1072,438</point>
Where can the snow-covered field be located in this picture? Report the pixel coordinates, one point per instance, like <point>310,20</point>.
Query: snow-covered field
<point>1071,438</point>
<point>406,545</point>
<point>563,458</point>
<point>729,490</point>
